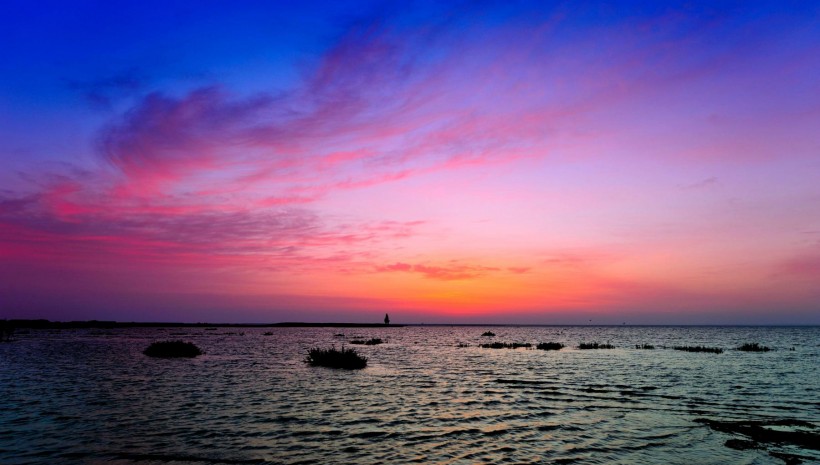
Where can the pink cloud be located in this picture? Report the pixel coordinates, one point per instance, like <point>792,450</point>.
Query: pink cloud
<point>374,110</point>
<point>450,272</point>
<point>807,266</point>
<point>38,229</point>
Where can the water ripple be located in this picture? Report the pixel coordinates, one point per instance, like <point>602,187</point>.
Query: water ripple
<point>78,397</point>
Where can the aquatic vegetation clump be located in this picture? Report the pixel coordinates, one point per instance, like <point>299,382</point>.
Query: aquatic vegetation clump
<point>711,350</point>
<point>268,333</point>
<point>594,345</point>
<point>753,347</point>
<point>370,342</point>
<point>506,345</point>
<point>173,349</point>
<point>347,359</point>
<point>644,346</point>
<point>549,346</point>
<point>488,333</point>
<point>766,433</point>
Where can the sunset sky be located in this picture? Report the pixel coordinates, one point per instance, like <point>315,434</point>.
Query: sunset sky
<point>511,162</point>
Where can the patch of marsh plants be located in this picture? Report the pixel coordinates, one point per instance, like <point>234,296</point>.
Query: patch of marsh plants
<point>594,345</point>
<point>506,345</point>
<point>488,334</point>
<point>644,346</point>
<point>346,359</point>
<point>549,346</point>
<point>369,342</point>
<point>710,350</point>
<point>753,347</point>
<point>173,349</point>
<point>764,434</point>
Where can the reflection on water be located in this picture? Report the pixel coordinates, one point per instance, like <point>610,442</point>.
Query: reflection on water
<point>90,397</point>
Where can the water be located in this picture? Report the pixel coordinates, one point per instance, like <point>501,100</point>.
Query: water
<point>91,397</point>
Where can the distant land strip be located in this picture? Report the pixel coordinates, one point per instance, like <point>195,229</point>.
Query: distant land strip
<point>101,324</point>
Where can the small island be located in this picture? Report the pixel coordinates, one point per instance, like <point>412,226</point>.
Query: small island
<point>173,349</point>
<point>753,347</point>
<point>549,346</point>
<point>346,359</point>
<point>594,345</point>
<point>369,342</point>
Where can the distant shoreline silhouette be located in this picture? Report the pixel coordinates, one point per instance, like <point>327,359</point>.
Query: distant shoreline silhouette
<point>101,324</point>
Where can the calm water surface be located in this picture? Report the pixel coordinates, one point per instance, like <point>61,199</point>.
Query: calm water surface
<point>91,397</point>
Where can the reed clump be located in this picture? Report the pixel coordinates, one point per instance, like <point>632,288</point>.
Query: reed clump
<point>549,346</point>
<point>753,347</point>
<point>173,349</point>
<point>711,350</point>
<point>595,345</point>
<point>506,345</point>
<point>369,342</point>
<point>644,346</point>
<point>268,333</point>
<point>488,333</point>
<point>346,359</point>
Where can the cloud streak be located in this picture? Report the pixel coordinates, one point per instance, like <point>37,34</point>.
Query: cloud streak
<point>449,272</point>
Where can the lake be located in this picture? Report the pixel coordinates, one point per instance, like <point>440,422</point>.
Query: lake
<point>429,394</point>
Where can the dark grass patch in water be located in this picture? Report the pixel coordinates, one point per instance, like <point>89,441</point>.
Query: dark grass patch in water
<point>753,347</point>
<point>370,342</point>
<point>488,334</point>
<point>549,346</point>
<point>741,444</point>
<point>761,434</point>
<point>173,349</point>
<point>644,346</point>
<point>594,345</point>
<point>267,334</point>
<point>506,345</point>
<point>711,350</point>
<point>347,359</point>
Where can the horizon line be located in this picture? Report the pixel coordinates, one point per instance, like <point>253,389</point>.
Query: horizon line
<point>80,324</point>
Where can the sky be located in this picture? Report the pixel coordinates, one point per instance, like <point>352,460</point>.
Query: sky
<point>443,162</point>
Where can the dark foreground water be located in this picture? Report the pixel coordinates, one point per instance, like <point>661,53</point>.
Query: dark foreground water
<point>91,397</point>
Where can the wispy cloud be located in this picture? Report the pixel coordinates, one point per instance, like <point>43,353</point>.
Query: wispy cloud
<point>805,266</point>
<point>450,272</point>
<point>707,183</point>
